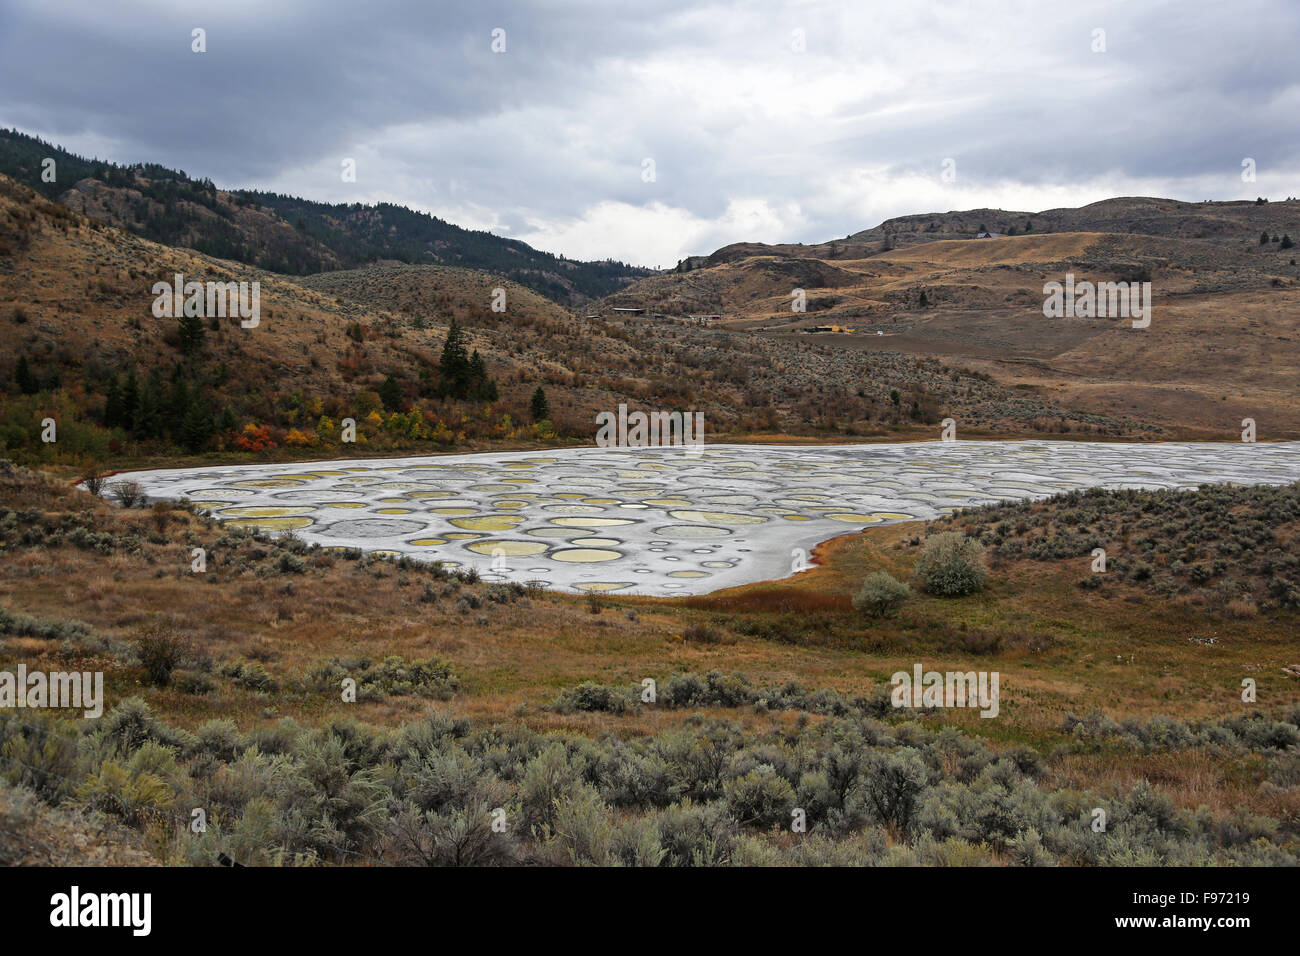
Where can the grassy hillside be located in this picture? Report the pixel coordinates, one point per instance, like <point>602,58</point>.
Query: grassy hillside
<point>125,387</point>
<point>287,234</point>
<point>1222,344</point>
<point>472,697</point>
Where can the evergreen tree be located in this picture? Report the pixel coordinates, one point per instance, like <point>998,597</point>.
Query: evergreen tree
<point>130,399</point>
<point>539,407</point>
<point>226,421</point>
<point>1286,241</point>
<point>113,404</point>
<point>481,388</point>
<point>197,427</point>
<point>178,405</point>
<point>147,419</point>
<point>27,382</point>
<point>1263,238</point>
<point>390,393</point>
<point>453,366</point>
<point>191,331</point>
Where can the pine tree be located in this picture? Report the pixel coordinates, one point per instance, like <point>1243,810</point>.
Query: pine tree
<point>478,378</point>
<point>390,393</point>
<point>539,406</point>
<point>191,332</point>
<point>130,398</point>
<point>178,405</point>
<point>226,421</point>
<point>27,382</point>
<point>113,404</point>
<point>1263,238</point>
<point>453,366</point>
<point>1286,241</point>
<point>197,427</point>
<point>147,420</point>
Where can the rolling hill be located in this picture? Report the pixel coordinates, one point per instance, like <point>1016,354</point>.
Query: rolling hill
<point>1223,344</point>
<point>288,234</point>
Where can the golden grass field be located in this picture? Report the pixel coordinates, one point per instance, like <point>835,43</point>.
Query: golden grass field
<point>1063,649</point>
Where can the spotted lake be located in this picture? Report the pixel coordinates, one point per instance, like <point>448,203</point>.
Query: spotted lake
<point>669,521</point>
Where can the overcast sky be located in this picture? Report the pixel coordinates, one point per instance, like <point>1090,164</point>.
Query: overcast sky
<point>764,121</point>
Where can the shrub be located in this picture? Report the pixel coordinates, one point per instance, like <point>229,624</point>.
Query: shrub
<point>128,493</point>
<point>881,594</point>
<point>951,565</point>
<point>893,782</point>
<point>589,697</point>
<point>702,634</point>
<point>761,798</point>
<point>160,652</point>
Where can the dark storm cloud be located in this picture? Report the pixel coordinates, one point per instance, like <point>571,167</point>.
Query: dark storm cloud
<point>750,137</point>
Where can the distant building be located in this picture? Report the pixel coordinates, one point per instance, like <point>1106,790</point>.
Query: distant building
<point>989,235</point>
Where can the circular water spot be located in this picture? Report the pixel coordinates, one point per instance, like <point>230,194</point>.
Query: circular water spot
<point>597,542</point>
<point>262,512</point>
<point>267,483</point>
<point>590,522</point>
<point>511,549</point>
<point>678,532</point>
<point>371,528</point>
<point>717,517</point>
<point>428,542</point>
<point>270,524</point>
<point>585,555</point>
<point>316,496</point>
<point>487,523</point>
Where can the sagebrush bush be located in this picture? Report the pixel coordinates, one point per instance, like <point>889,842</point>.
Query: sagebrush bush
<point>709,791</point>
<point>951,565</point>
<point>160,651</point>
<point>881,594</point>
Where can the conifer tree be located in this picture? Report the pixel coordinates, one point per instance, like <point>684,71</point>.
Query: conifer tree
<point>390,393</point>
<point>539,406</point>
<point>191,332</point>
<point>27,382</point>
<point>453,366</point>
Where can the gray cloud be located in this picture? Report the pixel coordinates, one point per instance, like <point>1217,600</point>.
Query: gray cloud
<point>749,138</point>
